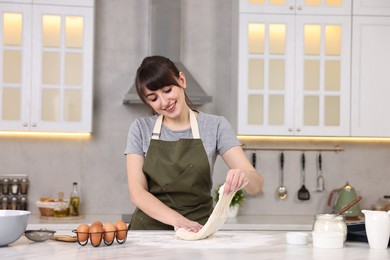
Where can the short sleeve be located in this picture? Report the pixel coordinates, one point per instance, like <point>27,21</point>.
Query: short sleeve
<point>226,137</point>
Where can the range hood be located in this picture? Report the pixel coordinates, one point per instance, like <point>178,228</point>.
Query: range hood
<point>165,40</point>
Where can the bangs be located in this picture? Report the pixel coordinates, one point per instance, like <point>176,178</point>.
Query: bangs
<point>157,78</point>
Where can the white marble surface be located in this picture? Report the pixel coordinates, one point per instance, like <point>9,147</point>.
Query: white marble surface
<point>241,222</point>
<point>164,245</point>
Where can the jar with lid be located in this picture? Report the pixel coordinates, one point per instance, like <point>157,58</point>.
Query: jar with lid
<point>330,223</point>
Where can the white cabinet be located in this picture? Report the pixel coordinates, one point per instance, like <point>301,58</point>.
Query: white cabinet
<point>371,77</point>
<point>371,7</point>
<point>329,7</point>
<point>293,74</point>
<point>46,65</point>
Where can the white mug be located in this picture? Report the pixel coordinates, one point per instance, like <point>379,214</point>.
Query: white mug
<point>377,228</point>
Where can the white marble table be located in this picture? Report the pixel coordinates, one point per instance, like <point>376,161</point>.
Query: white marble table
<point>241,222</point>
<point>164,245</point>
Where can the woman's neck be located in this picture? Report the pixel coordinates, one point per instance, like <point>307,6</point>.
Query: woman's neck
<point>180,122</point>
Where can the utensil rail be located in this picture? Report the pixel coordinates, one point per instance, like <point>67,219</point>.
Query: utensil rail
<point>336,149</point>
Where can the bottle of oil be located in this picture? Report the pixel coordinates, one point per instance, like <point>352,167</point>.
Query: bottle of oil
<point>74,203</point>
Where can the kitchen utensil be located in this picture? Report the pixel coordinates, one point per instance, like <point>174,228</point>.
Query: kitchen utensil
<point>345,195</point>
<point>282,190</point>
<point>44,234</point>
<point>13,223</point>
<point>320,178</point>
<point>39,235</point>
<point>254,159</point>
<point>303,193</point>
<point>377,228</point>
<point>350,205</point>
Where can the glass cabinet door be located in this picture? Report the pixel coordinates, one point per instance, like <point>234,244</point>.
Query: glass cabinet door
<point>323,57</point>
<point>266,54</point>
<point>63,82</point>
<point>15,47</point>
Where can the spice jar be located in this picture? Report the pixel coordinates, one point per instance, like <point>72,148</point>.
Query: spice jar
<point>330,223</point>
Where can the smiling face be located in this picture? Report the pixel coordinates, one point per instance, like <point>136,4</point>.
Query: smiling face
<point>168,101</point>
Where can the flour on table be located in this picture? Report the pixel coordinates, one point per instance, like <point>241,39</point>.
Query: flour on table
<point>215,221</point>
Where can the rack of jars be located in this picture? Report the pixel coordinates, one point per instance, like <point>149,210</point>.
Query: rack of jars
<point>14,191</point>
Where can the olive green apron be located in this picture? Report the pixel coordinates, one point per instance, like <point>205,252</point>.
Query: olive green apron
<point>178,174</point>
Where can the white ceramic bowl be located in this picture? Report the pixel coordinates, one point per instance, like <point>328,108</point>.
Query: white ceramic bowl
<point>328,240</point>
<point>297,238</point>
<point>13,223</point>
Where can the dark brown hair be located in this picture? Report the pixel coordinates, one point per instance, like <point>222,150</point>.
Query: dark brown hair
<point>154,73</point>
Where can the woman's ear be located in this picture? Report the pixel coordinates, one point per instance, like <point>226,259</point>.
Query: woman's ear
<point>182,80</point>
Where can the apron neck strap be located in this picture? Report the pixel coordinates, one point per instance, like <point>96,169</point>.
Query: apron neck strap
<point>194,126</point>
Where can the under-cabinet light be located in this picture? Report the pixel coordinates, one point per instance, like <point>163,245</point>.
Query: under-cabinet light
<point>346,139</point>
<point>45,134</point>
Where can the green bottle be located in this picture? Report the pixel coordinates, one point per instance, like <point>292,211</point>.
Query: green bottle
<point>74,203</point>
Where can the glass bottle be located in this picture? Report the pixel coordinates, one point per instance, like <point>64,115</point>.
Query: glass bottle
<point>74,202</point>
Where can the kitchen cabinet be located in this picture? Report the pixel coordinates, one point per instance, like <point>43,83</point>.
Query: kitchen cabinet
<point>293,73</point>
<point>330,7</point>
<point>371,7</point>
<point>370,76</point>
<point>46,65</point>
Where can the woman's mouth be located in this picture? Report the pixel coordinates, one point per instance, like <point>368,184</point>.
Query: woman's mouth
<point>170,108</point>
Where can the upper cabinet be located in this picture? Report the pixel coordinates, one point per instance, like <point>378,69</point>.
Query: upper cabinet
<point>293,69</point>
<point>371,7</point>
<point>328,7</point>
<point>370,69</point>
<point>46,65</point>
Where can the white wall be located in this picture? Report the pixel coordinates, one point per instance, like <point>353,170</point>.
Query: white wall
<point>98,163</point>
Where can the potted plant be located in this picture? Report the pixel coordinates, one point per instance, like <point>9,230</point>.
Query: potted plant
<point>237,201</point>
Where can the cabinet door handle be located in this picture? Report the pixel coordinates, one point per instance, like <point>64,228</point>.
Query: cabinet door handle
<point>25,124</point>
<point>291,7</point>
<point>298,129</point>
<point>290,129</point>
<point>34,124</point>
<point>299,8</point>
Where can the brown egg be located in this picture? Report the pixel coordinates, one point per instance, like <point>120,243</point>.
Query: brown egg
<point>97,223</point>
<point>96,234</point>
<point>121,230</point>
<point>82,232</point>
<point>109,232</point>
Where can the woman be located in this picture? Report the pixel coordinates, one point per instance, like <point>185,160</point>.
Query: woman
<point>170,156</point>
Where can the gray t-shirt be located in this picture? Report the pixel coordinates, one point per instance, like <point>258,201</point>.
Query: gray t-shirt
<point>215,131</point>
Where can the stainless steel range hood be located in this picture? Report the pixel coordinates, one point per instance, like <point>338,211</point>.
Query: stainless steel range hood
<point>165,40</point>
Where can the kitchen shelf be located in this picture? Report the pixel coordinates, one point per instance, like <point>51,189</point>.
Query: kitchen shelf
<point>336,148</point>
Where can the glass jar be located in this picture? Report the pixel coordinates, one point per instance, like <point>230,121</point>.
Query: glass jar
<point>330,223</point>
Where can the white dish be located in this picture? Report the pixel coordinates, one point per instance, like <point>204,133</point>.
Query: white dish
<point>297,238</point>
<point>328,240</point>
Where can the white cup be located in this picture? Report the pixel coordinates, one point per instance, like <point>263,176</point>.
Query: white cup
<point>377,228</point>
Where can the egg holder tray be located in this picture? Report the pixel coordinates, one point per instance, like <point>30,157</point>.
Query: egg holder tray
<point>101,234</point>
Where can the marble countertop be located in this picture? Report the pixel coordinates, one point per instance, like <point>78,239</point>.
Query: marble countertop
<point>163,245</point>
<point>241,222</point>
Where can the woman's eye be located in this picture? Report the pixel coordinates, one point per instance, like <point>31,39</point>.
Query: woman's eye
<point>168,90</point>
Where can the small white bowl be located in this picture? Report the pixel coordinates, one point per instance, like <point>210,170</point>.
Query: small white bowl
<point>328,240</point>
<point>297,238</point>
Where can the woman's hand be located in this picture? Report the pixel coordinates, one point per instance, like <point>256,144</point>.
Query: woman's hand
<point>236,179</point>
<point>188,225</point>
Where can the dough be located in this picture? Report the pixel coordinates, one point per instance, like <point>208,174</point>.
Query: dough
<point>215,222</point>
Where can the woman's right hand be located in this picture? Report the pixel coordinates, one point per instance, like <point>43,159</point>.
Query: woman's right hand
<point>188,225</point>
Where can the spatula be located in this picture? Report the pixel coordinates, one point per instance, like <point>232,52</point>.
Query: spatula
<point>303,193</point>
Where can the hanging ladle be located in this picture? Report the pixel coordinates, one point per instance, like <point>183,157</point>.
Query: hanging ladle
<point>282,190</point>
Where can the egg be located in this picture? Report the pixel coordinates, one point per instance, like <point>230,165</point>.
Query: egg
<point>109,232</point>
<point>97,223</point>
<point>96,234</point>
<point>82,232</point>
<point>121,230</point>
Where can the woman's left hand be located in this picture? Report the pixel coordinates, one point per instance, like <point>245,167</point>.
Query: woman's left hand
<point>236,179</point>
